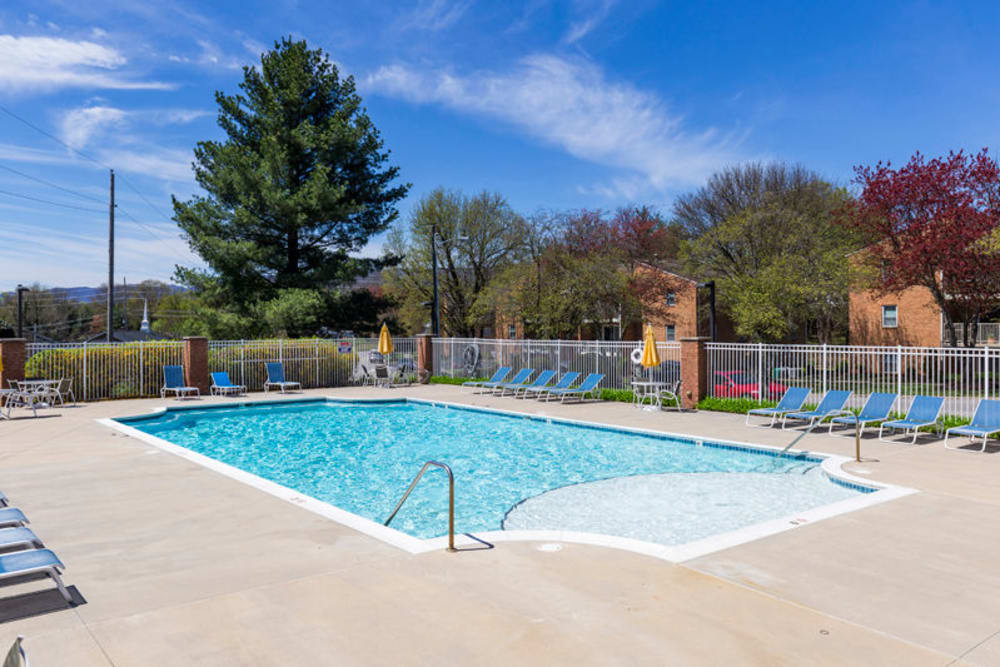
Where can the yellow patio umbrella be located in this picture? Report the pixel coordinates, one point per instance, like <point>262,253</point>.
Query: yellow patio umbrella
<point>650,357</point>
<point>384,341</point>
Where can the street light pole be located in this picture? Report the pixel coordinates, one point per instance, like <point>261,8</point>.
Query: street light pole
<point>436,315</point>
<point>21,289</point>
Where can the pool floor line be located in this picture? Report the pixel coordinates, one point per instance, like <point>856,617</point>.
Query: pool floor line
<point>831,465</point>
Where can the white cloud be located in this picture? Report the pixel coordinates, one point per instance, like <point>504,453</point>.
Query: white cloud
<point>580,29</point>
<point>166,164</point>
<point>434,15</point>
<point>49,63</point>
<point>79,126</point>
<point>572,105</point>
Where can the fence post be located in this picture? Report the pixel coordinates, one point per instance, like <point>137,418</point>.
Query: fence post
<point>452,356</point>
<point>899,375</point>
<point>694,371</point>
<point>826,367</point>
<point>425,357</point>
<point>986,371</point>
<point>317,361</point>
<point>558,356</point>
<point>243,363</point>
<point>85,372</point>
<point>760,371</point>
<point>281,350</point>
<point>142,370</point>
<point>13,355</point>
<point>196,362</point>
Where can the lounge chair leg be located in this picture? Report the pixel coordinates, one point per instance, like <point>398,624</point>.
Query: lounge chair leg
<point>54,574</point>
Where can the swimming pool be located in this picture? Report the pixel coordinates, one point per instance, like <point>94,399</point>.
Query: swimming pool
<point>361,455</point>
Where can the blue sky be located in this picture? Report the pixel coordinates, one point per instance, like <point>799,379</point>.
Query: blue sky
<point>589,103</point>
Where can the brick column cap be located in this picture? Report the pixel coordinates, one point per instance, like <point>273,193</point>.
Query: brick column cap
<point>13,340</point>
<point>694,338</point>
<point>195,337</point>
<point>425,335</point>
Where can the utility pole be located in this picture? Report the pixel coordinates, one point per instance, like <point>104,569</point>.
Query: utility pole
<point>436,315</point>
<point>111,259</point>
<point>21,289</point>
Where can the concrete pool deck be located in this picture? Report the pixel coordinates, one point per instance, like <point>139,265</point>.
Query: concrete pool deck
<point>174,564</point>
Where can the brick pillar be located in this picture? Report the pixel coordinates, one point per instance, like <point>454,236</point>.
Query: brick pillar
<point>196,363</point>
<point>425,357</point>
<point>13,353</point>
<point>694,371</point>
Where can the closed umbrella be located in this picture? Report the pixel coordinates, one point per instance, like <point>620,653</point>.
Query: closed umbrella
<point>385,341</point>
<point>650,357</point>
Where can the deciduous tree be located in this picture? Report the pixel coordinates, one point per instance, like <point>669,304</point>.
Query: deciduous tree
<point>765,234</point>
<point>929,223</point>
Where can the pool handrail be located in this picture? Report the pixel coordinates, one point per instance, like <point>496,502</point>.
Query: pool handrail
<point>451,499</point>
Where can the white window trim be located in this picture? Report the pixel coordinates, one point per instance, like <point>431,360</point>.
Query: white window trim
<point>666,333</point>
<point>890,326</point>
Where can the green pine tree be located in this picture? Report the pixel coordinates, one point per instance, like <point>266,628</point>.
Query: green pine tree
<point>301,181</point>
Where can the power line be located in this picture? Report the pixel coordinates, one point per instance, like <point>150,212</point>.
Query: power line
<point>50,184</point>
<point>53,203</point>
<point>50,136</point>
<point>143,197</point>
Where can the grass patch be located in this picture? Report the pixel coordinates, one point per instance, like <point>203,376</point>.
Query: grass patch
<point>447,379</point>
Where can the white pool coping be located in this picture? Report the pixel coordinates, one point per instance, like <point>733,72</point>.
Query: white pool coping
<point>831,465</point>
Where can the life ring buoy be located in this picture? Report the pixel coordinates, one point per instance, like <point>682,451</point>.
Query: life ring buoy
<point>636,356</point>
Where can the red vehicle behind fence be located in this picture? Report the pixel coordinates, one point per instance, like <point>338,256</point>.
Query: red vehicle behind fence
<point>736,384</point>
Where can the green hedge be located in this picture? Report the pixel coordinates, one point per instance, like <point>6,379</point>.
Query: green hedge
<point>120,365</point>
<point>447,379</point>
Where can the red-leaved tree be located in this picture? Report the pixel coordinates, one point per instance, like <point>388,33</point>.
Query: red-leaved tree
<point>925,223</point>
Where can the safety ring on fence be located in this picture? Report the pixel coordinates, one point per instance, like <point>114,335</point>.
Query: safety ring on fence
<point>636,356</point>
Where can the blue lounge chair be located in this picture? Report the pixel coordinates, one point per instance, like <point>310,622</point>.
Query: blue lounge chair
<point>540,381</point>
<point>21,537</point>
<point>276,378</point>
<point>519,378</point>
<point>34,561</point>
<point>11,516</point>
<point>924,411</point>
<point>564,383</point>
<point>496,378</point>
<point>791,402</point>
<point>588,385</point>
<point>173,380</point>
<point>876,409</point>
<point>833,402</point>
<point>222,386</point>
<point>984,422</point>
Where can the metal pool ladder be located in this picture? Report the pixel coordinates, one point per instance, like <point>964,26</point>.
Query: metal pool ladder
<point>451,499</point>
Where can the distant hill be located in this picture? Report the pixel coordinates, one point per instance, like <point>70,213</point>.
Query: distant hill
<point>91,294</point>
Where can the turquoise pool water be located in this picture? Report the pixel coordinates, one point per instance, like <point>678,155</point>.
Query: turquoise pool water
<point>361,457</point>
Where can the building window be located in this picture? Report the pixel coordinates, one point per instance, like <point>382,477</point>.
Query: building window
<point>671,299</point>
<point>671,332</point>
<point>890,319</point>
<point>512,331</point>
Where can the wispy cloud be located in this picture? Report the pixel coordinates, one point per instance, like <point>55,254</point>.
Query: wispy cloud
<point>596,12</point>
<point>78,126</point>
<point>571,104</point>
<point>434,15</point>
<point>120,145</point>
<point>50,63</point>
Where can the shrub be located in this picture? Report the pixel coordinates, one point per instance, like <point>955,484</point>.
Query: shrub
<point>447,379</point>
